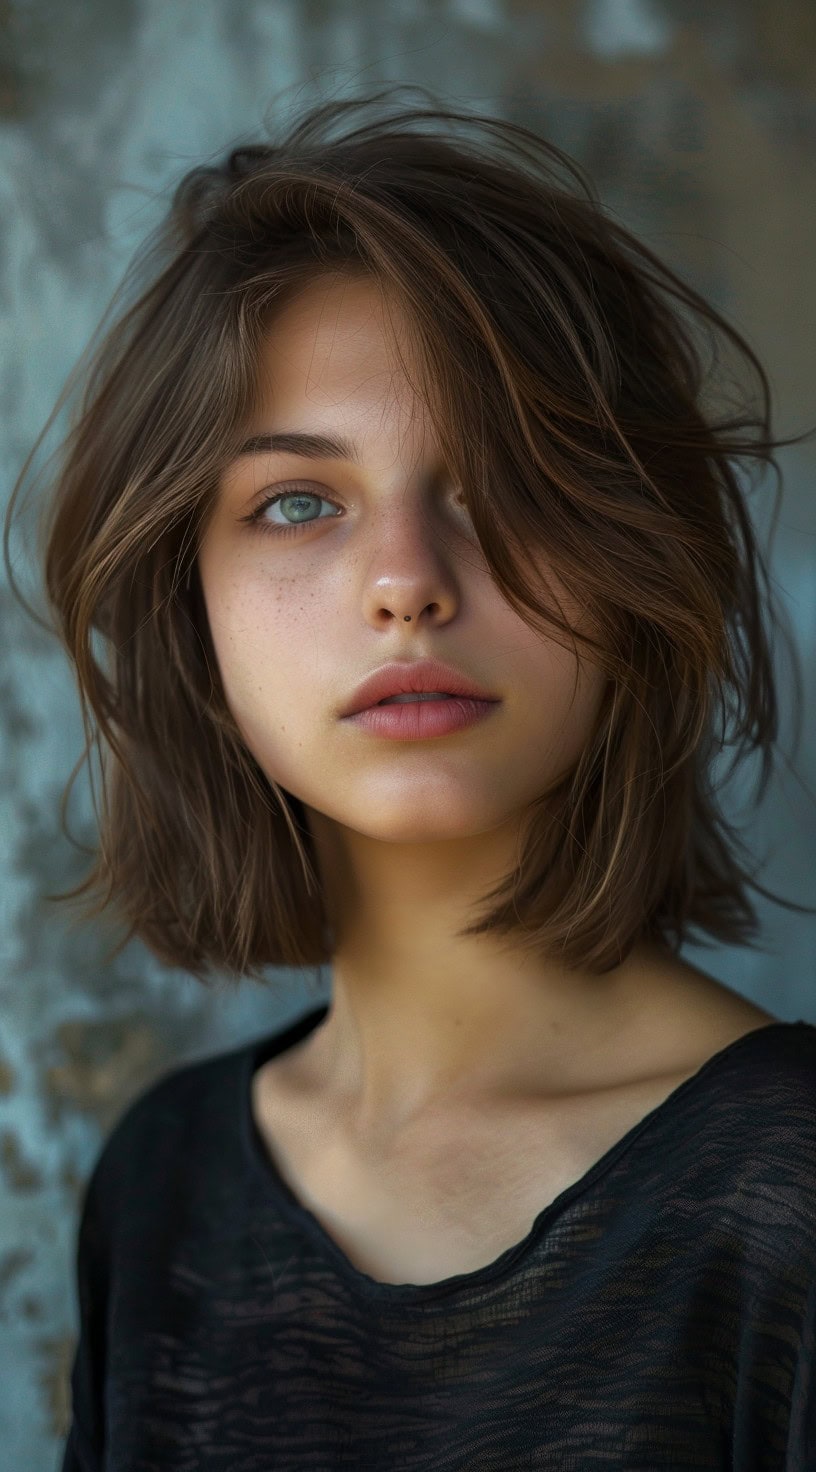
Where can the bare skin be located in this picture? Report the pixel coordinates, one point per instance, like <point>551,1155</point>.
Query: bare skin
<point>448,1070</point>
<point>455,1189</point>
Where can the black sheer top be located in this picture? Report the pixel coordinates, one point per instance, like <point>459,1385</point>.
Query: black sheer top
<point>660,1313</point>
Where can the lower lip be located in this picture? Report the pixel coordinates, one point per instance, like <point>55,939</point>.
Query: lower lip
<point>419,720</point>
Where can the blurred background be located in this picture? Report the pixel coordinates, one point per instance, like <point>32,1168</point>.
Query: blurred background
<point>697,123</point>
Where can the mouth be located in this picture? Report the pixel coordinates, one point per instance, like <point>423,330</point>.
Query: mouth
<point>419,695</point>
<point>422,717</point>
<point>420,681</point>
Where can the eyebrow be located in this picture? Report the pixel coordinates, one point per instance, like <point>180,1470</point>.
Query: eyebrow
<point>297,442</point>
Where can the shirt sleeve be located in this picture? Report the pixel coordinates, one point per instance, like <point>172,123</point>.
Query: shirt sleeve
<point>801,1450</point>
<point>84,1448</point>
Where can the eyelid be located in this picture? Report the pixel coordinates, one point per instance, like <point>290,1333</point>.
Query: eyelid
<point>279,490</point>
<point>286,488</point>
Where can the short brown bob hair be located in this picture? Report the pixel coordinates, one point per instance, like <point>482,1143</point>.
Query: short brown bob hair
<point>558,361</point>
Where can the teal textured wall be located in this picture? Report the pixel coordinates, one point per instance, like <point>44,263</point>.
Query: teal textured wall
<point>698,123</point>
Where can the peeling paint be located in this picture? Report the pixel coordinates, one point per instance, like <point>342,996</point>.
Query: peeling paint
<point>615,27</point>
<point>12,1263</point>
<point>485,14</point>
<point>54,1356</point>
<point>21,1175</point>
<point>10,79</point>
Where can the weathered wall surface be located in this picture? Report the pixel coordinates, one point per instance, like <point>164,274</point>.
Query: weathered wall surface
<point>698,123</point>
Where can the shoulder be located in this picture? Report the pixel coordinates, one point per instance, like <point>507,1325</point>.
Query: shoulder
<point>764,1148</point>
<point>747,1086</point>
<point>776,1066</point>
<point>169,1098</point>
<point>749,1146</point>
<point>167,1128</point>
<point>690,1023</point>
<point>185,1130</point>
<point>758,1086</point>
<point>775,1069</point>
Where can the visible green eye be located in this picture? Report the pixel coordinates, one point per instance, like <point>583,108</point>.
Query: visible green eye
<point>297,503</point>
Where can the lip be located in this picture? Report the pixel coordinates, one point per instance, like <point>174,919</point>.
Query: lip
<point>412,677</point>
<point>421,720</point>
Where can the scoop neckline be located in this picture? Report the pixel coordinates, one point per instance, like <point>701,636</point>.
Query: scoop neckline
<point>270,1045</point>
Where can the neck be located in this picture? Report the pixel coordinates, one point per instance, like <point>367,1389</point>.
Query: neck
<point>423,1019</point>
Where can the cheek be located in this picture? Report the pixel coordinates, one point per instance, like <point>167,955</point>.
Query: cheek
<point>272,685</point>
<point>245,640</point>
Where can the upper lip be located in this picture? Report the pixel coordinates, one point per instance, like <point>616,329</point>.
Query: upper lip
<point>409,677</point>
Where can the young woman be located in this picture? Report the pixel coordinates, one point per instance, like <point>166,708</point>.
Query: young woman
<point>410,528</point>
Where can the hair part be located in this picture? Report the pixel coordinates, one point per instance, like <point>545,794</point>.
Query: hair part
<point>594,437</point>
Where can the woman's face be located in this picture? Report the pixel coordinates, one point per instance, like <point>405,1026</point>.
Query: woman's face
<point>299,618</point>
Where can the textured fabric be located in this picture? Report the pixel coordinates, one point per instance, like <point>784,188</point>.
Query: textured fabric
<point>660,1313</point>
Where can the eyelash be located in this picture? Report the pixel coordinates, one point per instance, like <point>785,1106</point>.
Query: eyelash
<point>254,519</point>
<point>256,523</point>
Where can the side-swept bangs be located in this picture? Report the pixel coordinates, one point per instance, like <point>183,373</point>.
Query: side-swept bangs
<point>564,369</point>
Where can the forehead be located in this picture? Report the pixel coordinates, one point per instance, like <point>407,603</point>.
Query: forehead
<point>337,353</point>
<point>334,327</point>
